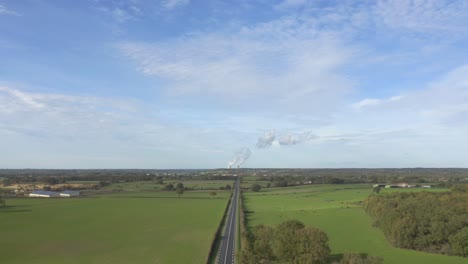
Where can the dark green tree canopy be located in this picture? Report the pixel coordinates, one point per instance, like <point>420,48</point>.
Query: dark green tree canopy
<point>256,187</point>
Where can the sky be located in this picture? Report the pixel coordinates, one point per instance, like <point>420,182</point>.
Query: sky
<point>203,84</point>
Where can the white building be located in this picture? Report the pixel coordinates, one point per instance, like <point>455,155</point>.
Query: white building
<point>68,193</point>
<point>44,194</point>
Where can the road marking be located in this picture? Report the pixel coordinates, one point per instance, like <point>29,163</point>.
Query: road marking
<point>229,224</point>
<point>229,234</point>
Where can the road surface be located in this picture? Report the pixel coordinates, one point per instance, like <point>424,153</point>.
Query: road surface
<point>227,251</point>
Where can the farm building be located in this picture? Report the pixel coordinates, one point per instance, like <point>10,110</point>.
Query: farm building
<point>45,194</point>
<point>398,185</point>
<point>68,193</point>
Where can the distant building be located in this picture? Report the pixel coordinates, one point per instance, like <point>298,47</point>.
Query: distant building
<point>68,193</point>
<point>399,185</point>
<point>44,194</point>
<point>427,186</point>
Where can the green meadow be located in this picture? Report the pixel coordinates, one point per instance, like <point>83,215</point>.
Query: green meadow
<point>126,227</point>
<point>153,186</point>
<point>336,210</point>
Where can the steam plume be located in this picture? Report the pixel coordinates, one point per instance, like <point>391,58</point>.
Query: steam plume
<point>292,139</point>
<point>240,157</point>
<point>267,140</point>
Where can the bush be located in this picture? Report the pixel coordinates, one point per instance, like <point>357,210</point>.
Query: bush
<point>356,258</point>
<point>256,187</point>
<point>432,222</point>
<point>289,242</point>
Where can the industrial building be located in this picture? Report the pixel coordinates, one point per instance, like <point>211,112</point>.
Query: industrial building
<point>68,193</point>
<point>44,194</point>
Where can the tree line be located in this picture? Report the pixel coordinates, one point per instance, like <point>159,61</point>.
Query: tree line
<point>425,221</point>
<point>277,177</point>
<point>293,242</point>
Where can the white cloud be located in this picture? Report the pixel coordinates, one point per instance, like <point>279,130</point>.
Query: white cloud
<point>439,107</point>
<point>367,102</point>
<point>6,11</point>
<point>287,62</point>
<point>286,4</point>
<point>171,4</point>
<point>120,11</point>
<point>18,100</point>
<point>424,16</point>
<point>59,115</point>
<point>90,131</point>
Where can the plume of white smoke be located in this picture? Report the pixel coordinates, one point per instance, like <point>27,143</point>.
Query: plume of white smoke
<point>240,157</point>
<point>293,139</point>
<point>266,140</point>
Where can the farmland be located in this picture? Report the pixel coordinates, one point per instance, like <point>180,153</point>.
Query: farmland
<point>123,227</point>
<point>336,210</point>
<point>151,186</point>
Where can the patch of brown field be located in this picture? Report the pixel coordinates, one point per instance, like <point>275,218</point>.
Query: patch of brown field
<point>76,186</point>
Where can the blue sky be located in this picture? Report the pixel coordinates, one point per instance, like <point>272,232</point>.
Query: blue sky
<point>194,84</point>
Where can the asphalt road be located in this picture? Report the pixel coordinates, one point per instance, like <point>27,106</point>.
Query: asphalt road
<point>227,251</point>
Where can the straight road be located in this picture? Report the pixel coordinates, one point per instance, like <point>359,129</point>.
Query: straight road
<point>227,251</point>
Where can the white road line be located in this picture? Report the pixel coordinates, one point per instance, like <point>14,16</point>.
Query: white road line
<point>229,234</point>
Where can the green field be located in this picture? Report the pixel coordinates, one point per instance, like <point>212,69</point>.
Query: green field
<point>127,227</point>
<point>335,210</point>
<point>152,186</point>
<point>247,184</point>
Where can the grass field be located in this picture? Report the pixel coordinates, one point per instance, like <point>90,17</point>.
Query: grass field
<point>334,209</point>
<point>142,227</point>
<point>247,184</point>
<point>152,186</point>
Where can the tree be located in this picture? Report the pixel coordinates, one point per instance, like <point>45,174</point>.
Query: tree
<point>356,258</point>
<point>6,182</point>
<point>256,187</point>
<point>289,242</point>
<point>376,189</point>
<point>180,189</point>
<point>263,243</point>
<point>312,245</point>
<point>213,194</point>
<point>180,186</point>
<point>228,187</point>
<point>103,183</point>
<point>280,184</point>
<point>169,187</point>
<point>285,247</point>
<point>459,243</point>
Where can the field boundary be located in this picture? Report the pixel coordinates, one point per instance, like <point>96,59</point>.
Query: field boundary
<point>244,231</point>
<point>212,254</point>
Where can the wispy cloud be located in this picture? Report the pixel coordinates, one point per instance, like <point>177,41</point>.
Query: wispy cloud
<point>433,16</point>
<point>266,140</point>
<point>61,115</point>
<point>5,11</point>
<point>286,4</point>
<point>171,4</point>
<point>283,61</point>
<point>120,11</point>
<point>368,102</point>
